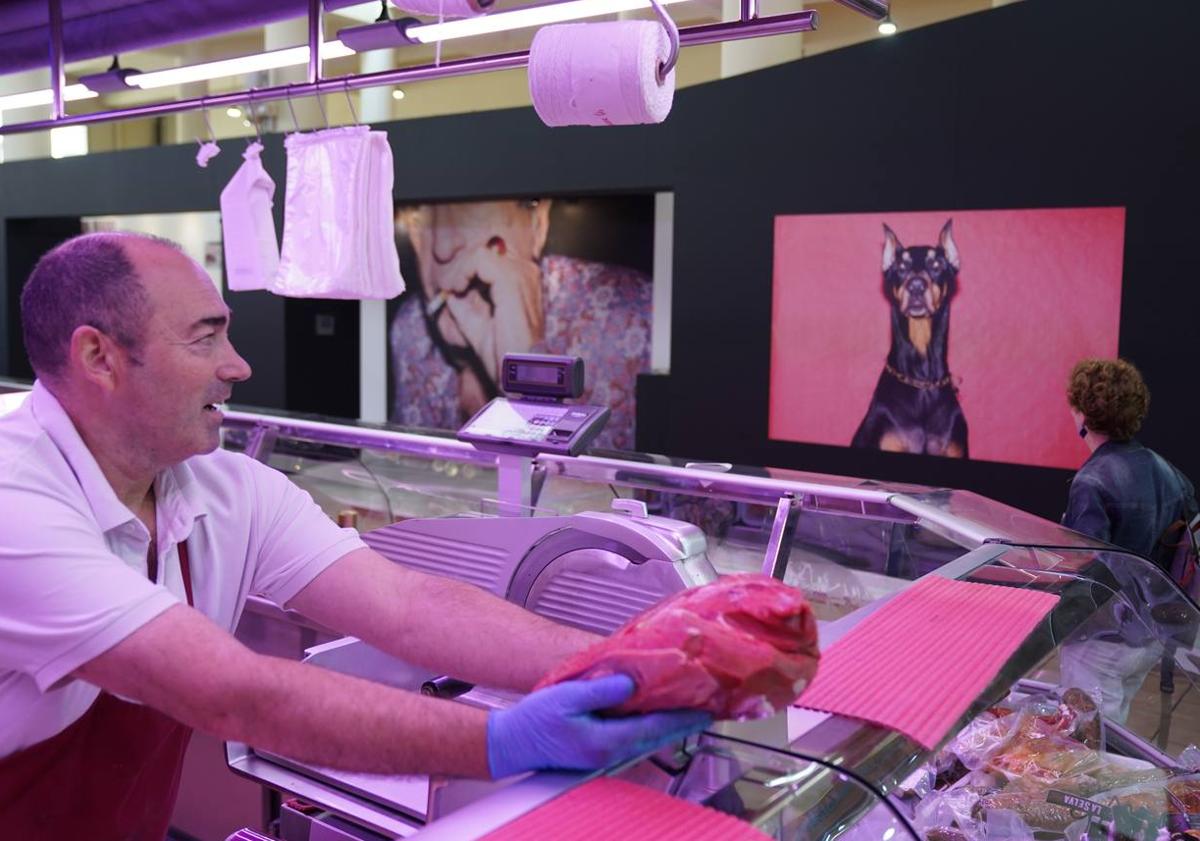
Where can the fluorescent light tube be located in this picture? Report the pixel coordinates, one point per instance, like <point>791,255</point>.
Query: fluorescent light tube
<point>427,33</point>
<point>240,66</point>
<point>31,99</point>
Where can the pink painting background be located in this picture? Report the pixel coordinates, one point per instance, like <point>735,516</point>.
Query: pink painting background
<point>1037,291</point>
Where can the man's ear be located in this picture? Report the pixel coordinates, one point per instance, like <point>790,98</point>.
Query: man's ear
<point>541,226</point>
<point>946,241</point>
<point>891,245</point>
<point>94,356</point>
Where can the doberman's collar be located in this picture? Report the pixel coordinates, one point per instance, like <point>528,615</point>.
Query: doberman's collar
<point>924,385</point>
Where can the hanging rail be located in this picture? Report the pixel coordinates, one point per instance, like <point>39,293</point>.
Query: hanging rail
<point>876,9</point>
<point>691,36</point>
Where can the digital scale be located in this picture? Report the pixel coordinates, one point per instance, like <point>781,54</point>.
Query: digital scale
<point>535,419</point>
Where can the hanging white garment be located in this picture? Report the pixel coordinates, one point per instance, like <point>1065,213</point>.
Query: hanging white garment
<point>338,231</point>
<point>251,247</point>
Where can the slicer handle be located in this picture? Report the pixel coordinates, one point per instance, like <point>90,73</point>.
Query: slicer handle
<point>445,687</point>
<point>632,507</point>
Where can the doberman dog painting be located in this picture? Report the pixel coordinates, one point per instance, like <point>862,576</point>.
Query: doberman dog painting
<point>901,337</point>
<point>915,406</point>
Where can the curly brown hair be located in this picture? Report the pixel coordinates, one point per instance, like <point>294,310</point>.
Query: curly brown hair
<point>1112,396</point>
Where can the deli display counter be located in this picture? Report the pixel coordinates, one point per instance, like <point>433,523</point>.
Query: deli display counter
<point>1049,749</point>
<point>1088,730</point>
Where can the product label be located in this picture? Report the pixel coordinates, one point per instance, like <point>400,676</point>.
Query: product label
<point>1080,804</point>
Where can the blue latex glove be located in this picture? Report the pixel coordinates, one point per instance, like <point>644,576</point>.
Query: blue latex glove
<point>554,728</point>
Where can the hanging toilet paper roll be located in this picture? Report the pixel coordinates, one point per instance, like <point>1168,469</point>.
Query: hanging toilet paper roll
<point>443,8</point>
<point>600,74</point>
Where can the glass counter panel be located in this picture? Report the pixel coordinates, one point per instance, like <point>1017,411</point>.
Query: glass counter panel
<point>1004,522</point>
<point>786,796</point>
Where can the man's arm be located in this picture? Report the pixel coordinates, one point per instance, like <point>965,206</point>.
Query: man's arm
<point>184,665</point>
<point>441,624</point>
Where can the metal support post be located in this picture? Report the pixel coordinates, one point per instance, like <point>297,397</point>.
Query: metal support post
<point>514,477</point>
<point>314,42</point>
<point>783,529</point>
<point>57,77</point>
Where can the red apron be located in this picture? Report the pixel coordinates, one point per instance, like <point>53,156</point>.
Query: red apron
<point>110,776</point>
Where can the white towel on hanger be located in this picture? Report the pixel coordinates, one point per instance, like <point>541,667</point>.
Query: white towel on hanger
<point>338,235</point>
<point>251,247</point>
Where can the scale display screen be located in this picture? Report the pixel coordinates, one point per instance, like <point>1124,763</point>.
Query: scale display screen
<point>517,421</point>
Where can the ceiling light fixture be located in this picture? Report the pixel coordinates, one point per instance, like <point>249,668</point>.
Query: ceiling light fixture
<point>397,33</point>
<point>112,79</point>
<point>887,26</point>
<point>240,66</point>
<point>31,99</point>
<point>397,94</point>
<point>233,112</point>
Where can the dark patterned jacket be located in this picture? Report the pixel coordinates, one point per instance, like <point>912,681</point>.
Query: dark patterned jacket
<point>1127,495</point>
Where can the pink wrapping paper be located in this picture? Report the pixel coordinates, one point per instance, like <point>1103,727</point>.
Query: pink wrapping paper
<point>917,663</point>
<point>604,809</point>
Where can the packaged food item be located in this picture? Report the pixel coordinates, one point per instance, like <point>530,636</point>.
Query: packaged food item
<point>1035,811</point>
<point>1045,760</point>
<point>1005,775</point>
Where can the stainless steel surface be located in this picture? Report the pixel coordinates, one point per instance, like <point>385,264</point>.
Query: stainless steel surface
<point>593,570</point>
<point>783,532</point>
<point>326,432</point>
<point>57,75</point>
<point>314,41</point>
<point>957,529</point>
<point>875,9</point>
<point>393,823</point>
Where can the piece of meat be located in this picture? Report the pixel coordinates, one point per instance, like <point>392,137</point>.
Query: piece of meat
<point>741,647</point>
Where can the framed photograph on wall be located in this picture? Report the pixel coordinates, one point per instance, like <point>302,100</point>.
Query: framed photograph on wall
<point>947,333</point>
<point>559,275</point>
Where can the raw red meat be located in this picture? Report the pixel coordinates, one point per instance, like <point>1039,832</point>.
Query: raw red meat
<point>741,647</point>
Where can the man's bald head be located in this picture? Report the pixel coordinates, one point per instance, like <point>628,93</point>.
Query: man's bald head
<point>89,280</point>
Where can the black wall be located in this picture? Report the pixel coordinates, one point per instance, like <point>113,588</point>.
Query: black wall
<point>1045,103</point>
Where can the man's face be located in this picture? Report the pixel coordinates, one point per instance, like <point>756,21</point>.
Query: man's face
<point>187,364</point>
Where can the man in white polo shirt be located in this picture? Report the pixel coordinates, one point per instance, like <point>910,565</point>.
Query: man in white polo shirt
<point>129,543</point>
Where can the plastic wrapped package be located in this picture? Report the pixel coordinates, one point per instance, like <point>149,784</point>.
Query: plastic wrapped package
<point>1020,751</point>
<point>1143,811</point>
<point>247,226</point>
<point>338,234</point>
<point>948,814</point>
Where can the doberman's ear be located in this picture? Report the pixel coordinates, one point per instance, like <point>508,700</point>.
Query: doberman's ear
<point>890,246</point>
<point>946,241</point>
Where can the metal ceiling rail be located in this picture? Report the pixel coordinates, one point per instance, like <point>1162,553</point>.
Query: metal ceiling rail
<point>749,26</point>
<point>57,73</point>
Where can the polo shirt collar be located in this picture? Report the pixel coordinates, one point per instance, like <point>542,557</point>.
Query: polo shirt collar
<point>175,487</point>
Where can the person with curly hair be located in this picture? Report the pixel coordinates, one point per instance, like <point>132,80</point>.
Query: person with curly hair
<point>1127,495</point>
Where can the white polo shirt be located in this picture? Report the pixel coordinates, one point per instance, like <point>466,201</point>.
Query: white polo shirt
<point>73,557</point>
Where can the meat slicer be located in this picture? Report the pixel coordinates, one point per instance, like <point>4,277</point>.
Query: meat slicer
<point>593,570</point>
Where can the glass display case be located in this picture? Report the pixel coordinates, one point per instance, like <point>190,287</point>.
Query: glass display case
<point>1097,704</point>
<point>1087,731</point>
